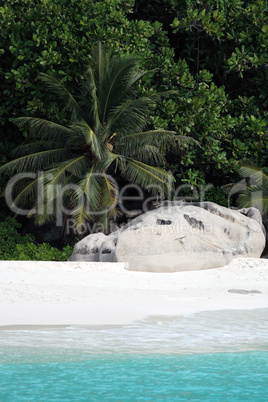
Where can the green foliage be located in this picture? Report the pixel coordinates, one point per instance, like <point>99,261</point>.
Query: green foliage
<point>256,193</point>
<point>227,132</point>
<point>213,53</point>
<point>14,246</point>
<point>230,120</point>
<point>6,145</point>
<point>217,195</point>
<point>202,111</point>
<point>232,44</point>
<point>106,133</point>
<point>203,192</point>
<point>250,133</point>
<point>56,37</point>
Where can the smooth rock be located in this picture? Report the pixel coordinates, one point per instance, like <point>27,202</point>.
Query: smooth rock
<point>107,250</point>
<point>178,237</point>
<point>88,248</point>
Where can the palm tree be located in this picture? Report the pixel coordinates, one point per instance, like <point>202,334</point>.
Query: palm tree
<point>105,136</point>
<point>256,194</point>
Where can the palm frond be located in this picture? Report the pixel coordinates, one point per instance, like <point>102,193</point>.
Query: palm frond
<point>186,140</point>
<point>90,138</point>
<point>95,78</point>
<point>90,185</point>
<point>256,197</point>
<point>258,177</point>
<point>128,117</point>
<point>87,198</point>
<point>35,162</point>
<point>102,221</point>
<point>113,83</point>
<point>26,192</point>
<point>150,154</point>
<point>81,214</point>
<point>76,141</point>
<point>52,193</point>
<point>108,159</point>
<point>145,175</point>
<point>119,78</point>
<point>256,194</point>
<point>132,143</point>
<point>110,195</point>
<point>137,75</point>
<point>90,101</point>
<point>106,132</point>
<point>109,200</point>
<point>63,96</point>
<point>100,61</point>
<point>75,166</point>
<point>43,129</point>
<point>34,147</point>
<point>54,184</point>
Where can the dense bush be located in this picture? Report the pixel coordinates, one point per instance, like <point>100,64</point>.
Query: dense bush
<point>189,193</point>
<point>214,53</point>
<point>14,246</point>
<point>56,37</point>
<point>219,66</point>
<point>213,44</point>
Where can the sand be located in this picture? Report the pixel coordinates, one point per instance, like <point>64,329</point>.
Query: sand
<point>75,293</point>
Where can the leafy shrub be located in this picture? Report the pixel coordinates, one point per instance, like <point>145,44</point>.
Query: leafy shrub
<point>218,195</point>
<point>14,246</point>
<point>213,52</point>
<point>256,193</point>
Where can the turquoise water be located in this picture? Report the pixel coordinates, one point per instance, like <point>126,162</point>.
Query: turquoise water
<point>209,356</point>
<point>208,377</point>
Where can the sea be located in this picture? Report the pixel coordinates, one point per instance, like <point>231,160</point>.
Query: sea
<point>212,356</point>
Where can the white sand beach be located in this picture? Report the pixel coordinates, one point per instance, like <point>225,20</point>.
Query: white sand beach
<point>75,293</point>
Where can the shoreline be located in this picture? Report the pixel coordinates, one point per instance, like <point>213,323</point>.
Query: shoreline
<point>38,294</point>
<point>140,322</point>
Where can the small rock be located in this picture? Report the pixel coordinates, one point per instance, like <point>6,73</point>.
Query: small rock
<point>243,291</point>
